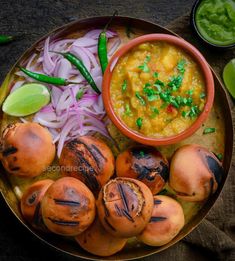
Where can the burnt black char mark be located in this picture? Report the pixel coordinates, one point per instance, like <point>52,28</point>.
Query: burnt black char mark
<point>211,186</point>
<point>123,196</point>
<point>164,172</point>
<point>127,215</point>
<point>215,168</point>
<point>9,151</point>
<point>140,153</point>
<point>157,201</point>
<point>64,222</point>
<point>92,152</point>
<point>157,219</point>
<point>145,172</point>
<point>107,222</point>
<point>37,217</point>
<point>86,169</point>
<point>15,168</point>
<point>94,147</point>
<point>66,202</point>
<point>32,198</point>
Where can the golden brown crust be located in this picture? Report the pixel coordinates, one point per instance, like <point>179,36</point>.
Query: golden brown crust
<point>98,241</point>
<point>145,164</point>
<point>166,222</point>
<point>194,173</point>
<point>26,149</point>
<point>31,203</point>
<point>124,206</point>
<point>68,207</point>
<point>88,159</point>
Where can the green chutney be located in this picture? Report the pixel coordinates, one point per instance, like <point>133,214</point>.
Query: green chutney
<point>215,20</point>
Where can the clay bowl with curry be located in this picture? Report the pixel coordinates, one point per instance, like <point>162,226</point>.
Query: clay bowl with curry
<point>158,89</point>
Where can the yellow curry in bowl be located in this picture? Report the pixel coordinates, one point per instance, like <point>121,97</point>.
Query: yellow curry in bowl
<point>157,89</point>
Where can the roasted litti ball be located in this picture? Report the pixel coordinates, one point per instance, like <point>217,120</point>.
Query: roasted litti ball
<point>195,172</point>
<point>124,207</point>
<point>97,241</point>
<point>88,159</point>
<point>26,149</point>
<point>166,222</point>
<point>68,207</point>
<point>30,203</point>
<point>145,164</point>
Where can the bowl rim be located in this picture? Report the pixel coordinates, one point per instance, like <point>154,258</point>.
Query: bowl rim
<point>186,47</point>
<point>194,26</point>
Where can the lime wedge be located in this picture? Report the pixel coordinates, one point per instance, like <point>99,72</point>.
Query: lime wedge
<point>229,77</point>
<point>26,100</point>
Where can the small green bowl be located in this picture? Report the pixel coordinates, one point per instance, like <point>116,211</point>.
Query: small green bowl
<point>205,41</point>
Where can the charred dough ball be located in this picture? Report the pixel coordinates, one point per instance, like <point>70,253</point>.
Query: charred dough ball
<point>31,203</point>
<point>166,222</point>
<point>26,149</point>
<point>68,207</point>
<point>98,241</point>
<point>88,159</point>
<point>145,164</point>
<point>124,207</point>
<point>195,173</point>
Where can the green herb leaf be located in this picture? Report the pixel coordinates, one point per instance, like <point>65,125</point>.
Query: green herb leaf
<point>208,130</point>
<point>151,94</point>
<point>124,86</point>
<point>79,94</point>
<point>202,95</point>
<point>140,98</point>
<point>142,153</point>
<point>158,82</point>
<point>155,112</point>
<point>190,92</point>
<point>219,155</point>
<point>144,67</point>
<point>181,66</point>
<point>147,84</point>
<point>175,82</point>
<point>128,110</point>
<point>139,122</point>
<point>155,74</point>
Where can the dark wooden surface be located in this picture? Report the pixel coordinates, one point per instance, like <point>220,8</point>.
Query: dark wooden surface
<point>213,237</point>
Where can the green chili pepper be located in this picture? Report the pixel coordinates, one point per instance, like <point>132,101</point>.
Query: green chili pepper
<point>139,123</point>
<point>45,78</point>
<point>6,39</point>
<point>102,45</point>
<point>82,69</point>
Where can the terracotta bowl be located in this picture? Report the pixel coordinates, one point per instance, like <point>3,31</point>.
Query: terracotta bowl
<point>186,47</point>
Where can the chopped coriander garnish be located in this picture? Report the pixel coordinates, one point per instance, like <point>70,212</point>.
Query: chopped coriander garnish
<point>158,82</point>
<point>79,94</point>
<point>190,92</point>
<point>151,94</point>
<point>142,153</point>
<point>144,67</point>
<point>147,84</point>
<point>181,66</point>
<point>139,122</point>
<point>185,114</point>
<point>208,130</point>
<point>155,74</point>
<point>202,95</point>
<point>128,110</point>
<point>155,112</point>
<point>124,86</point>
<point>141,99</point>
<point>173,102</point>
<point>175,82</point>
<point>194,111</point>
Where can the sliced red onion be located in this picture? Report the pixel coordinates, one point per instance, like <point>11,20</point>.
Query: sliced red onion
<point>85,42</point>
<point>55,95</point>
<point>62,69</point>
<point>114,47</point>
<point>90,56</point>
<point>48,64</point>
<point>94,34</point>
